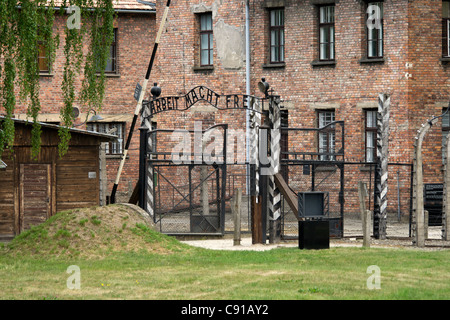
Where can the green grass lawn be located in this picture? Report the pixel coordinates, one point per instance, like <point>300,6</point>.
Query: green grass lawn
<point>289,273</point>
<point>120,258</point>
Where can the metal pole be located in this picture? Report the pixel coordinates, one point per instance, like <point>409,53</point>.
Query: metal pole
<point>247,76</point>
<point>139,104</point>
<point>398,195</point>
<point>142,166</point>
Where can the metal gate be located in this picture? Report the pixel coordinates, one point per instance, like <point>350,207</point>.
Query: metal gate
<point>188,195</point>
<point>185,191</point>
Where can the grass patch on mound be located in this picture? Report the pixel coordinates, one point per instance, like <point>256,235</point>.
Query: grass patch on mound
<point>93,233</point>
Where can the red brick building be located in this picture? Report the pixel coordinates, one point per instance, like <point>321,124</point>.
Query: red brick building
<point>318,55</point>
<point>326,63</point>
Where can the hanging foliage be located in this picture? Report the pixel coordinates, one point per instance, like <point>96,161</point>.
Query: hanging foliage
<point>26,26</point>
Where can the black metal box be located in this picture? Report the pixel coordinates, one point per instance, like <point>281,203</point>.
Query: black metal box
<point>314,234</point>
<point>313,204</point>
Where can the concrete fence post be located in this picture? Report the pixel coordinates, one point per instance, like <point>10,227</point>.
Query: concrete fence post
<point>365,214</point>
<point>236,209</point>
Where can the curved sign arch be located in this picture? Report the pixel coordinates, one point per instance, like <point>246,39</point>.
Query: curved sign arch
<point>197,94</point>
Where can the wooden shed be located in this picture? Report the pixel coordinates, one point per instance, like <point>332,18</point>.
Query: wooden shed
<point>31,191</point>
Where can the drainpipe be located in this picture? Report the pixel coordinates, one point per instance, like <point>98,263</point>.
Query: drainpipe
<point>247,70</point>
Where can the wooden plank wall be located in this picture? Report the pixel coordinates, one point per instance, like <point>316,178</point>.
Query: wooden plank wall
<point>35,194</point>
<point>71,184</point>
<point>7,197</point>
<point>75,188</point>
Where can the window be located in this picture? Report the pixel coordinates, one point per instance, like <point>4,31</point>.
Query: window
<point>115,128</point>
<point>326,33</point>
<point>206,40</point>
<point>375,30</point>
<point>327,135</point>
<point>111,65</point>
<point>445,28</point>
<point>43,61</point>
<point>371,135</point>
<point>445,132</point>
<point>276,36</point>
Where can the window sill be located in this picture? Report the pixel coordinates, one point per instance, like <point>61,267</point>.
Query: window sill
<point>274,65</point>
<point>115,156</point>
<point>46,74</point>
<point>318,63</point>
<point>445,60</point>
<point>110,75</point>
<point>371,60</point>
<point>203,68</point>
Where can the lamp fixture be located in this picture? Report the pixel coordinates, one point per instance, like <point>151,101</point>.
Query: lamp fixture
<point>264,87</point>
<point>95,117</point>
<point>155,91</point>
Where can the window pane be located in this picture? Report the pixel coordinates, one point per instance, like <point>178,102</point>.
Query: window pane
<point>332,43</point>
<point>445,9</point>
<point>323,52</point>
<point>323,34</point>
<point>331,14</point>
<point>325,117</point>
<point>324,43</point>
<point>380,47</point>
<point>444,140</point>
<point>326,137</point>
<point>327,14</point>
<point>446,119</point>
<point>110,63</point>
<point>42,58</point>
<point>206,22</point>
<point>371,119</point>
<point>204,40</point>
<point>322,15</point>
<point>448,37</point>
<point>204,57</point>
<point>370,139</point>
<point>277,18</point>
<point>274,54</point>
<point>274,38</point>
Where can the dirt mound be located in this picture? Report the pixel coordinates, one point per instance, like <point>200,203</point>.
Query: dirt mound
<point>94,232</point>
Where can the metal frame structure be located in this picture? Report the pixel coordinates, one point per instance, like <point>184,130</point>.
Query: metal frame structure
<point>312,160</point>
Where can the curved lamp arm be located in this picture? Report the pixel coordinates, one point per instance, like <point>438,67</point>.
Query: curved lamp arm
<point>95,117</point>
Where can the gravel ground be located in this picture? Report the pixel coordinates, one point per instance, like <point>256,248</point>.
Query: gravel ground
<point>246,244</point>
<point>398,233</point>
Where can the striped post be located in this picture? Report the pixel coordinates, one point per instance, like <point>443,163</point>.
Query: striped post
<point>381,174</point>
<point>255,123</point>
<point>275,150</point>
<point>150,173</point>
<point>139,104</point>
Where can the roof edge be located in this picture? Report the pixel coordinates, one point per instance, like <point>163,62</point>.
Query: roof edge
<point>56,127</point>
